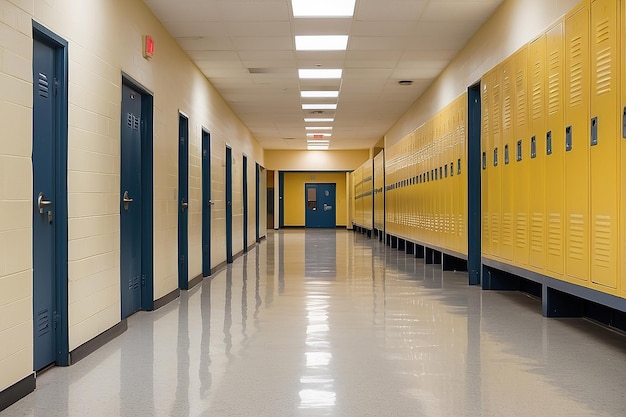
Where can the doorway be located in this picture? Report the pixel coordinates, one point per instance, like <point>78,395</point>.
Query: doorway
<point>183,201</point>
<point>229,205</point>
<point>136,192</point>
<point>245,203</point>
<point>320,205</point>
<point>474,185</point>
<point>207,203</point>
<point>49,159</point>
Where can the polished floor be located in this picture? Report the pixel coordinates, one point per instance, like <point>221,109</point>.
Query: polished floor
<point>330,323</point>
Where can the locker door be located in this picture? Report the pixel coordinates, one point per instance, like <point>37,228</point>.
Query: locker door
<point>507,187</point>
<point>494,163</point>
<point>537,153</point>
<point>577,144</point>
<point>485,146</point>
<point>623,157</point>
<point>460,175</point>
<point>520,159</point>
<point>555,169</point>
<point>604,157</point>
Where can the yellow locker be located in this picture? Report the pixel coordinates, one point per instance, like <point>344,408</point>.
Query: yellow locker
<point>605,141</point>
<point>507,73</point>
<point>623,159</point>
<point>577,144</point>
<point>537,152</point>
<point>485,147</point>
<point>555,169</point>
<point>494,166</point>
<point>520,158</point>
<point>460,174</point>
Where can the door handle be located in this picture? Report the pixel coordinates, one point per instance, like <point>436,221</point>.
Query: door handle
<point>41,203</point>
<point>210,203</point>
<point>126,200</point>
<point>184,206</point>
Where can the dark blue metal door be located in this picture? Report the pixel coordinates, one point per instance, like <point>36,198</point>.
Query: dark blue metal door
<point>229,205</point>
<point>257,205</point>
<point>45,198</point>
<point>130,202</point>
<point>206,203</point>
<point>320,205</point>
<point>245,203</point>
<point>183,201</point>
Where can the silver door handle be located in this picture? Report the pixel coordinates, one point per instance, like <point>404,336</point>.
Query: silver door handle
<point>126,200</point>
<point>211,203</point>
<point>184,206</point>
<point>41,203</point>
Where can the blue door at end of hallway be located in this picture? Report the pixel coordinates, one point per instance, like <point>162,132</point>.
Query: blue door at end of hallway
<point>229,205</point>
<point>44,198</point>
<point>183,201</point>
<point>131,202</point>
<point>320,205</point>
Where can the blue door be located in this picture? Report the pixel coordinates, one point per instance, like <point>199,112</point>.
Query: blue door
<point>183,201</point>
<point>320,205</point>
<point>206,203</point>
<point>229,205</point>
<point>131,202</point>
<point>45,201</point>
<point>245,203</point>
<point>257,205</point>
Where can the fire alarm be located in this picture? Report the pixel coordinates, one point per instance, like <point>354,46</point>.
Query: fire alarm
<point>148,47</point>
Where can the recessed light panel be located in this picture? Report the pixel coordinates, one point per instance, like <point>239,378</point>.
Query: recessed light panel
<point>320,73</point>
<point>319,94</point>
<point>323,8</point>
<point>318,120</point>
<point>319,107</point>
<point>322,43</point>
<point>318,128</point>
<point>319,135</point>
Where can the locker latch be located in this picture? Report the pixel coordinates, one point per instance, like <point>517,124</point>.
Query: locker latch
<point>568,138</point>
<point>594,131</point>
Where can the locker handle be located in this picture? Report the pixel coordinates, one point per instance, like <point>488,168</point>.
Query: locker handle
<point>484,160</point>
<point>506,154</point>
<point>459,166</point>
<point>495,157</point>
<point>549,143</point>
<point>624,124</point>
<point>519,151</point>
<point>533,147</point>
<point>568,138</point>
<point>594,131</point>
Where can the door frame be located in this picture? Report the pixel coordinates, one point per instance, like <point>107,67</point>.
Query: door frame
<point>206,202</point>
<point>229,204</point>
<point>474,246</point>
<point>147,191</point>
<point>257,206</point>
<point>244,175</point>
<point>281,200</point>
<point>60,46</point>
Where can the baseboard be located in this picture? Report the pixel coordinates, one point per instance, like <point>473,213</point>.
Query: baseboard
<point>166,299</point>
<point>197,280</point>
<point>97,342</point>
<point>17,391</point>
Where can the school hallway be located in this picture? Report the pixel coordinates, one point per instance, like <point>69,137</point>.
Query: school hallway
<point>331,323</point>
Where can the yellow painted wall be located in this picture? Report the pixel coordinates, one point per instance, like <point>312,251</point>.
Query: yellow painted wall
<point>288,160</point>
<point>294,195</point>
<point>95,75</point>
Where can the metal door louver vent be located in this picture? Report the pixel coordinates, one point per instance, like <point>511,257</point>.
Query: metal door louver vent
<point>43,85</point>
<point>43,322</point>
<point>132,121</point>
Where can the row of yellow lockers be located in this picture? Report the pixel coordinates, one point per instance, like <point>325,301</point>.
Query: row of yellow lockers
<point>426,181</point>
<point>363,185</point>
<point>379,191</point>
<point>552,146</point>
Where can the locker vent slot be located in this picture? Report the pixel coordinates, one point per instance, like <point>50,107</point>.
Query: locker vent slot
<point>521,235</point>
<point>518,156</point>
<point>43,322</point>
<point>533,147</point>
<point>536,232</point>
<point>549,143</point>
<point>506,154</point>
<point>576,237</point>
<point>459,166</point>
<point>603,58</point>
<point>495,157</point>
<point>521,100</point>
<point>568,138</point>
<point>554,82</point>
<point>43,85</point>
<point>555,233</point>
<point>602,241</point>
<point>484,160</point>
<point>576,72</point>
<point>594,131</point>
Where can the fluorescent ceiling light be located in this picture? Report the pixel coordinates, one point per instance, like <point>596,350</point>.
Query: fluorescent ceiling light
<point>319,107</point>
<point>323,8</point>
<point>322,43</point>
<point>319,94</point>
<point>320,73</point>
<point>318,119</point>
<point>317,141</point>
<point>317,147</point>
<point>318,128</point>
<point>317,135</point>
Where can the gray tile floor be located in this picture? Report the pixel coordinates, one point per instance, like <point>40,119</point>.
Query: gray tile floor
<point>330,323</point>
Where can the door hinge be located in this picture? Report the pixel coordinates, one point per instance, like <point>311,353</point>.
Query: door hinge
<point>55,319</point>
<point>143,280</point>
<point>182,259</point>
<point>56,86</point>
